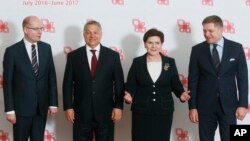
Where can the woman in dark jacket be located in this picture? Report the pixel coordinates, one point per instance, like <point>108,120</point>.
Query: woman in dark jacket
<point>151,80</point>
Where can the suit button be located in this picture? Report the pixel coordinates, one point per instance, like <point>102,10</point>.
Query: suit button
<point>153,99</point>
<point>154,92</point>
<point>153,85</point>
<point>218,77</point>
<point>93,81</point>
<point>93,92</point>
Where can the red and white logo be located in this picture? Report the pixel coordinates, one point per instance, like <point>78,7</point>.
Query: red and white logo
<point>208,2</point>
<point>49,136</point>
<point>1,81</point>
<point>248,2</point>
<point>139,26</point>
<point>48,26</point>
<point>247,53</point>
<point>118,2</point>
<point>181,134</point>
<point>4,136</point>
<point>228,27</point>
<point>184,26</point>
<point>163,2</point>
<point>164,52</point>
<point>184,80</point>
<point>119,50</point>
<point>67,50</point>
<point>4,27</point>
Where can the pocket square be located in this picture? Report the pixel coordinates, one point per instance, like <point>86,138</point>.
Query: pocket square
<point>231,59</point>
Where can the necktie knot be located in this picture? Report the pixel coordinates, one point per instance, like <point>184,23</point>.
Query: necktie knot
<point>93,51</point>
<point>33,46</point>
<point>214,47</point>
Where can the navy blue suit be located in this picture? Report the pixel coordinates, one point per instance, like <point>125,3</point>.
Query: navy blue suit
<point>211,91</point>
<point>25,93</point>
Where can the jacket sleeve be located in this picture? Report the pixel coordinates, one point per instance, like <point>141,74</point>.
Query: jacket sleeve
<point>8,70</point>
<point>193,77</point>
<point>242,79</point>
<point>118,83</point>
<point>68,84</point>
<point>131,79</point>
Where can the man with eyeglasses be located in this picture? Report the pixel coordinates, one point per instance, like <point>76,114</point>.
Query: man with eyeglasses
<point>30,86</point>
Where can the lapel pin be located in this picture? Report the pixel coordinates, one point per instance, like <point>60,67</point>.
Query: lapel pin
<point>166,66</point>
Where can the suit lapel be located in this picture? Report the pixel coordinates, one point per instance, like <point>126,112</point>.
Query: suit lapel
<point>145,69</point>
<point>209,55</point>
<point>24,55</point>
<point>164,63</point>
<point>42,55</point>
<point>84,57</point>
<point>225,54</point>
<point>101,59</point>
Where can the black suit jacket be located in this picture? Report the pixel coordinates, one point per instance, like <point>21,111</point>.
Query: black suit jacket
<point>93,96</point>
<point>145,92</point>
<point>23,91</point>
<point>231,81</point>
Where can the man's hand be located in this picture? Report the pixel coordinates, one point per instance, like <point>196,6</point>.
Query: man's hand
<point>11,118</point>
<point>241,113</point>
<point>52,111</point>
<point>116,115</point>
<point>193,115</point>
<point>70,115</point>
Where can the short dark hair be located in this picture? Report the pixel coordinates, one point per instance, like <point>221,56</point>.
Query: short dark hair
<point>216,20</point>
<point>153,32</point>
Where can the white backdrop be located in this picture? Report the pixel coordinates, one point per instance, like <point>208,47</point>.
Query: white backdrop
<point>124,23</point>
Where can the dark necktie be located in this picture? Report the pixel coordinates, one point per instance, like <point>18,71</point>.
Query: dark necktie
<point>93,63</point>
<point>215,56</point>
<point>34,59</point>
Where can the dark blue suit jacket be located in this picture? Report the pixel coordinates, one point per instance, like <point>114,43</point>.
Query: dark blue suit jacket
<point>93,96</point>
<point>23,91</point>
<point>230,84</point>
<point>145,92</point>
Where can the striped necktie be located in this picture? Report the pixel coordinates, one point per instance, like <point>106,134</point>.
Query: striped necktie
<point>34,59</point>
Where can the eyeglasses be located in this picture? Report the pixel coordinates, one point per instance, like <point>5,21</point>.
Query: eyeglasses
<point>36,28</point>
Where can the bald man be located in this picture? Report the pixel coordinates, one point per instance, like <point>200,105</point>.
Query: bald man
<point>30,87</point>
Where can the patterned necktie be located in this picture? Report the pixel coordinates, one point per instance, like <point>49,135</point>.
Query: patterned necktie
<point>34,59</point>
<point>215,56</point>
<point>93,63</point>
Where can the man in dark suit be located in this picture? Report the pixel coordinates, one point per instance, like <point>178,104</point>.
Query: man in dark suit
<point>93,94</point>
<point>218,82</point>
<point>30,85</point>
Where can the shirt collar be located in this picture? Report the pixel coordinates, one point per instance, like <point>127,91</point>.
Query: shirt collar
<point>28,44</point>
<point>220,43</point>
<point>97,48</point>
